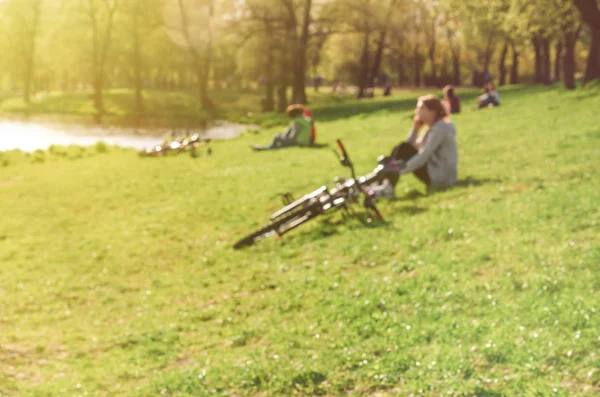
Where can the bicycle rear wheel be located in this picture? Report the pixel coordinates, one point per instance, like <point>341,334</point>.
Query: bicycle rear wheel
<point>280,226</point>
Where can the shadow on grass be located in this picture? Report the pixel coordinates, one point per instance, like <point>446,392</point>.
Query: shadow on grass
<point>352,108</point>
<point>354,219</point>
<point>345,108</point>
<point>586,95</point>
<point>412,195</point>
<point>316,146</point>
<point>258,148</point>
<point>411,210</point>
<point>461,183</point>
<point>470,181</point>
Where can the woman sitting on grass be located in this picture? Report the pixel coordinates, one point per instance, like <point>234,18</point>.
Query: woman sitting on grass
<point>432,156</point>
<point>451,101</point>
<point>490,97</point>
<point>298,133</point>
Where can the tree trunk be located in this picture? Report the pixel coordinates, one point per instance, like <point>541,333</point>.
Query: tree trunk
<point>569,63</point>
<point>557,61</point>
<point>203,75</point>
<point>432,46</point>
<point>502,65</point>
<point>98,99</point>
<point>100,46</point>
<point>537,47</point>
<point>417,66</point>
<point>514,68</point>
<point>282,83</point>
<point>27,80</point>
<point>137,62</point>
<point>298,84</point>
<point>442,78</point>
<point>30,49</point>
<point>456,71</point>
<point>401,70</point>
<point>590,13</point>
<point>377,60</point>
<point>592,70</point>
<point>455,52</point>
<point>489,52</point>
<point>269,104</point>
<point>282,100</point>
<point>269,101</point>
<point>299,67</point>
<point>381,45</point>
<point>205,100</point>
<point>546,62</point>
<point>363,78</point>
<point>201,66</point>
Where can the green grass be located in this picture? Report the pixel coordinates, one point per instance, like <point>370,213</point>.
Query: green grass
<point>117,276</point>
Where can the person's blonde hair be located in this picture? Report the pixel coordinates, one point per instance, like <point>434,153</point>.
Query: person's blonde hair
<point>434,103</point>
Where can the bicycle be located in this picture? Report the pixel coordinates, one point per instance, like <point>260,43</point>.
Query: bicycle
<point>194,142</point>
<point>321,201</point>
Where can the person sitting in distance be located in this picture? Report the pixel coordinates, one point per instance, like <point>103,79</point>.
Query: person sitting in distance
<point>489,98</point>
<point>298,133</point>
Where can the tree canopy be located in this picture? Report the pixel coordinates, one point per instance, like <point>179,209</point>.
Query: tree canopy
<point>281,45</point>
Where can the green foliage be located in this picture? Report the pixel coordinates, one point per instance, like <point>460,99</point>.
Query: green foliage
<point>593,85</point>
<point>73,46</point>
<point>118,276</point>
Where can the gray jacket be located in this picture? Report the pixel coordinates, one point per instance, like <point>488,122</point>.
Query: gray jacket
<point>437,148</point>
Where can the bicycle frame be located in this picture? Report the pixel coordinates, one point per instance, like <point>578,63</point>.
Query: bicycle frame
<point>320,201</point>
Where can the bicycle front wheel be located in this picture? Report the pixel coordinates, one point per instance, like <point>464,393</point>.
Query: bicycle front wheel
<point>261,233</point>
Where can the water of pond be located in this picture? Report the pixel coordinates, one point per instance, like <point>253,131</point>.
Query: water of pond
<point>31,136</point>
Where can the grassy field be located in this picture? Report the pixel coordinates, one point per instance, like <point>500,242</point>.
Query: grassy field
<point>117,276</point>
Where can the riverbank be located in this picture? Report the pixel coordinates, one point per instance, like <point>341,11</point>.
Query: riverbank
<point>162,108</point>
<point>33,136</point>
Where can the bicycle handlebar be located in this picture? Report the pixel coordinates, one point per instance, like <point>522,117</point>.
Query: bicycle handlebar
<point>346,161</point>
<point>341,146</point>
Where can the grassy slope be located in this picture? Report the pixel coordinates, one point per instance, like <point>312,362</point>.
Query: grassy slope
<point>117,276</point>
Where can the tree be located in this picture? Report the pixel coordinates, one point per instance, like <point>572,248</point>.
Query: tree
<point>193,25</point>
<point>381,41</point>
<point>263,26</point>
<point>141,18</point>
<point>298,31</point>
<point>570,31</point>
<point>502,63</point>
<point>484,28</point>
<point>100,15</point>
<point>359,24</point>
<point>590,14</point>
<point>430,14</point>
<point>453,36</point>
<point>23,19</point>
